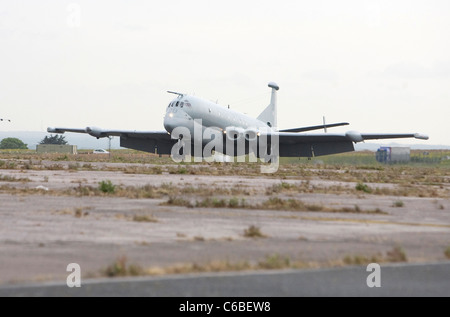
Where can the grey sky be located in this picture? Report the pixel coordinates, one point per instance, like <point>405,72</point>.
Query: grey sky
<point>383,66</point>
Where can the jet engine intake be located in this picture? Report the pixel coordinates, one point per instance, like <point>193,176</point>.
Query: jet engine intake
<point>251,134</point>
<point>234,133</point>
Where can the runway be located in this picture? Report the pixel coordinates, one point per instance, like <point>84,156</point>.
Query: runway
<point>396,280</point>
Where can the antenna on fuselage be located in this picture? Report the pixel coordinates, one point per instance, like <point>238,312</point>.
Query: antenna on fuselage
<point>175,93</point>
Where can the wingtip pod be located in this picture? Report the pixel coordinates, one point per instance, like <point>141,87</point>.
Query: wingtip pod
<point>421,136</point>
<point>54,130</point>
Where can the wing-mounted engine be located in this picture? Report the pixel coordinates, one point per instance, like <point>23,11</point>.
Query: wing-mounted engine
<point>235,133</point>
<point>95,132</point>
<point>251,135</point>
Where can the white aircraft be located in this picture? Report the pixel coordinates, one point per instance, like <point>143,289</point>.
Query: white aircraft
<point>191,113</point>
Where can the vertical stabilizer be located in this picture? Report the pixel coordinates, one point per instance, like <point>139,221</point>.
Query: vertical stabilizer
<point>269,115</point>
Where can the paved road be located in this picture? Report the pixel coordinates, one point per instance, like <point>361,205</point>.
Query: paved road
<point>396,280</point>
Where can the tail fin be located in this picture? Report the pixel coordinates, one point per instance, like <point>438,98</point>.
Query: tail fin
<point>269,115</point>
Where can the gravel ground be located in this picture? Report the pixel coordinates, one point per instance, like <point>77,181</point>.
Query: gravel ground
<point>40,233</point>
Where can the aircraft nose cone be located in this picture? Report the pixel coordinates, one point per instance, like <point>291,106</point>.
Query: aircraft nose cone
<point>170,122</point>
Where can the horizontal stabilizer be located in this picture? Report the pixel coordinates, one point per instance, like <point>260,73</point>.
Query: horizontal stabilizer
<point>315,127</point>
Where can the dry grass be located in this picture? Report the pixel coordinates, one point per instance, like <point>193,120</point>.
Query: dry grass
<point>121,268</point>
<point>402,180</point>
<point>7,178</point>
<point>396,254</point>
<point>253,232</point>
<point>362,259</point>
<point>447,252</point>
<point>347,171</point>
<point>270,262</point>
<point>407,189</point>
<point>144,218</point>
<point>273,203</point>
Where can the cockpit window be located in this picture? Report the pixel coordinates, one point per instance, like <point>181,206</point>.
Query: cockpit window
<point>176,105</point>
<point>181,104</point>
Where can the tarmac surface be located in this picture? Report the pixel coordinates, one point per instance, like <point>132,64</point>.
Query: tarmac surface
<point>41,231</point>
<point>396,280</point>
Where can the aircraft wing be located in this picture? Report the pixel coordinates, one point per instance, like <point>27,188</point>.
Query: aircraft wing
<point>291,144</point>
<point>158,142</point>
<point>310,145</point>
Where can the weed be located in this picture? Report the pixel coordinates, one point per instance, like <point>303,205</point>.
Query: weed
<point>7,178</point>
<point>74,167</point>
<point>176,201</point>
<point>107,187</point>
<point>397,254</point>
<point>144,218</point>
<point>62,158</point>
<point>361,259</point>
<point>398,203</point>
<point>447,252</point>
<point>253,232</point>
<point>363,187</point>
<point>233,202</point>
<point>79,212</point>
<point>120,268</point>
<point>281,204</point>
<point>275,261</point>
<point>315,207</point>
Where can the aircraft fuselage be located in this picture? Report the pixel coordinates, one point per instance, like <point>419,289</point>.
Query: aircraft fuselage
<point>184,110</point>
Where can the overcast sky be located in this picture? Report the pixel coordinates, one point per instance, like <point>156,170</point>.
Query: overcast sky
<point>383,66</point>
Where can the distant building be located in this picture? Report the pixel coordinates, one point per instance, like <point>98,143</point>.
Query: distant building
<point>56,148</point>
<point>393,155</point>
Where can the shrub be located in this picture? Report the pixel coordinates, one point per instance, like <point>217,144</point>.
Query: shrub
<point>397,254</point>
<point>107,187</point>
<point>253,232</point>
<point>363,187</point>
<point>120,268</point>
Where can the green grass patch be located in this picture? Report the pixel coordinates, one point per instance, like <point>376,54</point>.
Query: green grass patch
<point>107,187</point>
<point>363,187</point>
